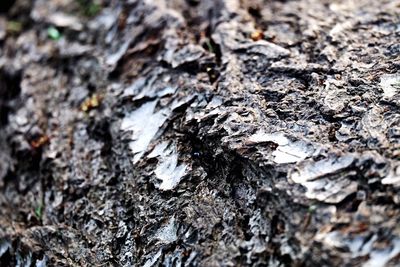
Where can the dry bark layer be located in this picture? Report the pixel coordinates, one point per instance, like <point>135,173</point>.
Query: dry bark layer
<point>199,133</point>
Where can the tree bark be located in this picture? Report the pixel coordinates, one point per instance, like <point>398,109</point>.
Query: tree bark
<point>199,133</point>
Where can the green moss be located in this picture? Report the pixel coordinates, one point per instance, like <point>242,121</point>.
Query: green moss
<point>39,211</point>
<point>93,9</point>
<point>89,8</point>
<point>53,33</point>
<point>209,46</point>
<point>14,26</point>
<point>312,208</point>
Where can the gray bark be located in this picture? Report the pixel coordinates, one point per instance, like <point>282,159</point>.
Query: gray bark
<point>199,133</point>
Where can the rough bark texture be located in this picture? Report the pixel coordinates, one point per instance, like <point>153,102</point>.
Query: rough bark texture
<point>200,133</point>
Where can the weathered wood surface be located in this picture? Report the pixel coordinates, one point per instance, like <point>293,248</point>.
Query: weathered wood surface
<point>200,133</point>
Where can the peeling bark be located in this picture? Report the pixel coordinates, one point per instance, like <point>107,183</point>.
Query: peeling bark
<point>200,133</point>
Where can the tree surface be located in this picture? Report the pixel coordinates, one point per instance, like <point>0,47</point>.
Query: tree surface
<point>200,133</point>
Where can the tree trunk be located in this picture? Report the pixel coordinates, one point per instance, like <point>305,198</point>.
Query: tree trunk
<point>199,133</point>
